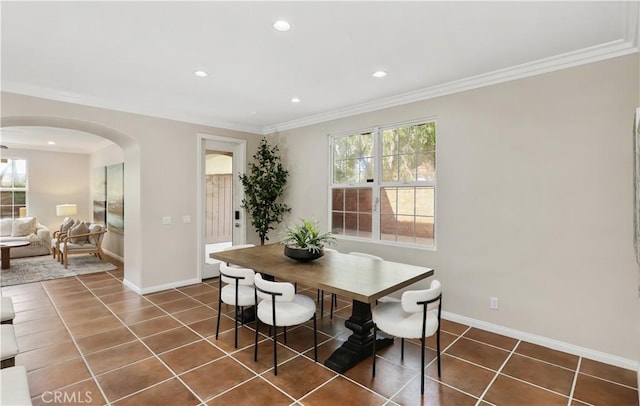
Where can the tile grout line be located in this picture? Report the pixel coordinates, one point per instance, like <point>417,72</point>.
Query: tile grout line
<point>535,385</point>
<point>154,355</point>
<point>75,343</point>
<point>610,381</point>
<point>226,353</point>
<point>431,362</point>
<point>256,374</point>
<point>575,381</point>
<point>486,390</point>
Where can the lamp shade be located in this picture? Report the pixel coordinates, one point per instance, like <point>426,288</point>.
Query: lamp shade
<point>66,210</point>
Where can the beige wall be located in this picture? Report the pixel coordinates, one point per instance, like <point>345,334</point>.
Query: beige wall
<point>534,202</point>
<point>534,199</point>
<point>54,178</point>
<point>160,180</point>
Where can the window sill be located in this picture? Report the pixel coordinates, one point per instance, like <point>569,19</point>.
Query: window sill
<point>385,243</point>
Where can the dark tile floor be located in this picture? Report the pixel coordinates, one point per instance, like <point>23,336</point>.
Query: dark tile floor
<point>89,340</point>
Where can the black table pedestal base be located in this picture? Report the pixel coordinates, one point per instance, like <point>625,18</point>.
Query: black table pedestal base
<point>247,316</point>
<point>359,345</point>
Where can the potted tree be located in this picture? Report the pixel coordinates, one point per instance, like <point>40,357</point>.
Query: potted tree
<point>263,188</point>
<point>304,242</point>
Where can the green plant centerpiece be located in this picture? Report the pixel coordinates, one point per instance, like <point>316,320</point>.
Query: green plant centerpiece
<point>304,242</point>
<point>263,189</point>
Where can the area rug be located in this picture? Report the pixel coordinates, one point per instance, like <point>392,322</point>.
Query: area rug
<point>34,269</point>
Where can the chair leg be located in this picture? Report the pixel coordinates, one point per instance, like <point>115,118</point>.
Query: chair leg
<point>373,368</point>
<point>315,339</point>
<point>334,300</point>
<point>438,348</point>
<point>275,352</point>
<point>322,303</point>
<point>275,343</point>
<point>402,348</point>
<point>219,308</point>
<point>422,367</point>
<point>255,344</point>
<point>235,327</point>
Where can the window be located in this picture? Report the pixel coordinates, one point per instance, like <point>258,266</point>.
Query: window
<point>13,187</point>
<point>383,184</point>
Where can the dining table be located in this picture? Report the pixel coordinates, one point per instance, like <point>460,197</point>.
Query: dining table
<point>359,279</point>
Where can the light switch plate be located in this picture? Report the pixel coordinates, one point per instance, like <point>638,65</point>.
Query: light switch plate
<point>166,220</point>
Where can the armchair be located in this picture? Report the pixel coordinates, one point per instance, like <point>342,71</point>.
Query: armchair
<point>83,243</point>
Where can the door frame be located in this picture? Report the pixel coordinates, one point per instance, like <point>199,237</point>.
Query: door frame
<point>239,162</point>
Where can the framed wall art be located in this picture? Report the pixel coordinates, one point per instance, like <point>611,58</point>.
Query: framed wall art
<point>100,195</point>
<point>115,198</point>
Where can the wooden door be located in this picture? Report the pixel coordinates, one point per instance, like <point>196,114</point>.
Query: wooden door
<point>219,209</point>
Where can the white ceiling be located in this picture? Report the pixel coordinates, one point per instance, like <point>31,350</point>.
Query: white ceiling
<point>140,56</point>
<point>65,140</point>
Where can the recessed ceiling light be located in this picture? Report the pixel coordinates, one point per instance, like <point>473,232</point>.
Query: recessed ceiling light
<point>295,100</point>
<point>201,74</point>
<point>282,26</point>
<point>51,142</point>
<point>379,74</point>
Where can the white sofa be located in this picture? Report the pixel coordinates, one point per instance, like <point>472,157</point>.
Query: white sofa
<point>26,229</point>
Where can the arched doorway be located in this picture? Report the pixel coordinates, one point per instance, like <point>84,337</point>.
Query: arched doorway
<point>131,157</point>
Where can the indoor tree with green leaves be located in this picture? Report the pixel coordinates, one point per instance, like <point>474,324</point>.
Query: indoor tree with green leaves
<point>263,189</point>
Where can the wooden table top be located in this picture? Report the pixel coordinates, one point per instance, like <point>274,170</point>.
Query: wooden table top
<point>14,244</point>
<point>350,276</point>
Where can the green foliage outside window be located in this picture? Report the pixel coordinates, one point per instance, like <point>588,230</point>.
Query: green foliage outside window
<point>13,187</point>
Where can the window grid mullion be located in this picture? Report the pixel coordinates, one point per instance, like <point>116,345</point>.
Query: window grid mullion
<point>378,184</point>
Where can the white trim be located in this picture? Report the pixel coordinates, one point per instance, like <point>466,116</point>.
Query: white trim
<point>613,49</point>
<point>583,56</point>
<point>240,161</point>
<point>545,342</point>
<point>159,288</point>
<point>68,97</point>
<point>111,254</point>
<point>632,23</point>
<point>131,286</point>
<point>563,61</point>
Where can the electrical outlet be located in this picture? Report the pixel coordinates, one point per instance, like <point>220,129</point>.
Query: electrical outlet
<point>166,220</point>
<point>493,303</point>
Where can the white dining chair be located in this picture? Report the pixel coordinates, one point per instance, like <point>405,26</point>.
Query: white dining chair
<point>238,292</point>
<point>280,306</point>
<point>417,315</point>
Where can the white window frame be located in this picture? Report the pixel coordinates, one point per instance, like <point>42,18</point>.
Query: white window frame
<point>378,184</point>
<point>19,189</point>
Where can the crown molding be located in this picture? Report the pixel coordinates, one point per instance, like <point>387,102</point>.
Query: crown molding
<point>67,97</point>
<point>563,61</point>
<point>612,49</point>
<point>632,23</point>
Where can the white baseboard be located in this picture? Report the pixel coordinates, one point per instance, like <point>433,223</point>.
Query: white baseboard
<point>131,286</point>
<point>112,255</point>
<point>158,288</point>
<point>545,342</point>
